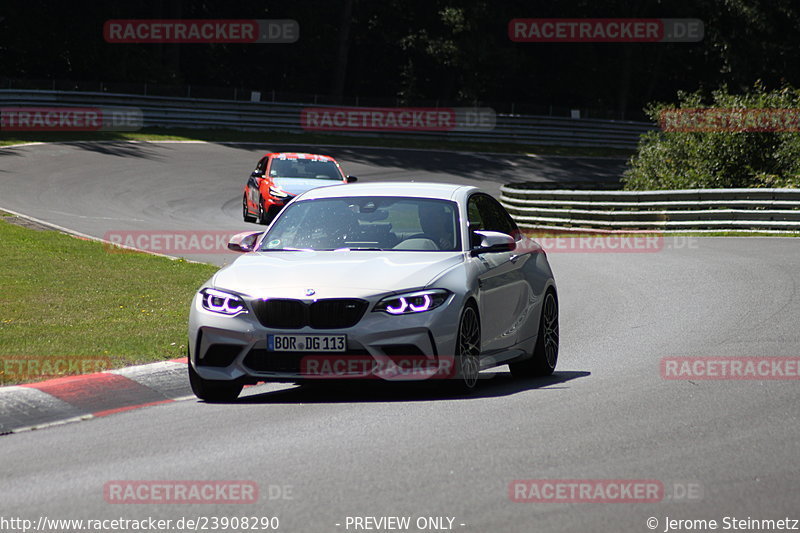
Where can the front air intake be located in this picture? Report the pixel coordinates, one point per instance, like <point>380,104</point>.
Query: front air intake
<point>331,313</point>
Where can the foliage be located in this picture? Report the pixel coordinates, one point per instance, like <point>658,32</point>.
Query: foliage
<point>415,52</point>
<point>727,153</point>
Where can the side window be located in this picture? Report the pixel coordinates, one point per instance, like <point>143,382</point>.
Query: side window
<point>494,217</point>
<point>474,219</point>
<point>262,165</point>
<point>473,214</point>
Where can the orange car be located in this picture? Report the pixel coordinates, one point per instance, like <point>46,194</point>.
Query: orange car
<point>279,177</point>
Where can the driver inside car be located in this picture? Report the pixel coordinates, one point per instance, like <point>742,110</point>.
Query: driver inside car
<point>436,221</point>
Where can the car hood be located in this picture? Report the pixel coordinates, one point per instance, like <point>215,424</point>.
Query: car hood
<point>295,186</point>
<point>332,274</point>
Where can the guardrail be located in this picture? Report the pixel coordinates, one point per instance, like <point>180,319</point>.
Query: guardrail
<point>670,211</point>
<point>267,116</point>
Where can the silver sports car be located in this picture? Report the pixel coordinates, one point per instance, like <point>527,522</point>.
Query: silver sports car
<point>393,281</point>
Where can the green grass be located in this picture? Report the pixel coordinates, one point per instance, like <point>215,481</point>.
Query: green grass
<point>64,296</point>
<point>222,135</point>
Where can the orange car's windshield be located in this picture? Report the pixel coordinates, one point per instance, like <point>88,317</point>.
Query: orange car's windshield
<point>304,168</point>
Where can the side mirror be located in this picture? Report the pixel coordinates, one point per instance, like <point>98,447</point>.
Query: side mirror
<point>256,174</point>
<point>244,242</point>
<point>492,242</point>
<point>352,179</point>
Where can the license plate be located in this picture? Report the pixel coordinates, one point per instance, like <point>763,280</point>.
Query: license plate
<point>307,343</point>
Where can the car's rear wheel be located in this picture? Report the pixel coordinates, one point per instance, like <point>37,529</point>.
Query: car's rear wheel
<point>213,391</point>
<point>468,349</point>
<point>245,212</point>
<point>545,353</point>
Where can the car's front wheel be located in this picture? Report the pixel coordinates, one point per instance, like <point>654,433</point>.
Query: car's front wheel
<point>213,391</point>
<point>245,213</point>
<point>468,349</point>
<point>545,354</point>
<point>261,218</point>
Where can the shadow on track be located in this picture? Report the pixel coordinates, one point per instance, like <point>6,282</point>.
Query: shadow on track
<point>9,151</point>
<point>501,168</point>
<point>494,385</point>
<point>110,143</point>
<point>122,149</point>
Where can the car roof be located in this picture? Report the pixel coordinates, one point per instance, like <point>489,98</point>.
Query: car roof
<point>299,155</point>
<point>414,189</point>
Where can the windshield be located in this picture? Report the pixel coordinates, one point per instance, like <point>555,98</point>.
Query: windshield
<point>366,223</point>
<point>304,168</point>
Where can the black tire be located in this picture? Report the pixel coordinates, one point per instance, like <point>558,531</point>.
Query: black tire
<point>468,349</point>
<point>245,214</point>
<point>272,212</point>
<point>265,216</point>
<point>545,353</point>
<point>262,217</point>
<point>213,391</point>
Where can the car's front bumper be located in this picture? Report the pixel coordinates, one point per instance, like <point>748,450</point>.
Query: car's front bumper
<point>230,348</point>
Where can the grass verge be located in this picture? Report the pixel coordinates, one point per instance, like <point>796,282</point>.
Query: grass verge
<point>68,298</point>
<point>222,135</point>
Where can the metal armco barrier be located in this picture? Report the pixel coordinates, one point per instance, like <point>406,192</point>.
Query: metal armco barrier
<point>266,116</point>
<point>669,211</point>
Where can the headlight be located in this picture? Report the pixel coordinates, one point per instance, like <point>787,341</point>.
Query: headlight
<point>413,302</point>
<point>222,302</point>
<point>277,193</point>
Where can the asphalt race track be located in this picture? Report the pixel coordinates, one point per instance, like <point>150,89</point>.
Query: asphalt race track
<point>102,188</point>
<point>378,450</point>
